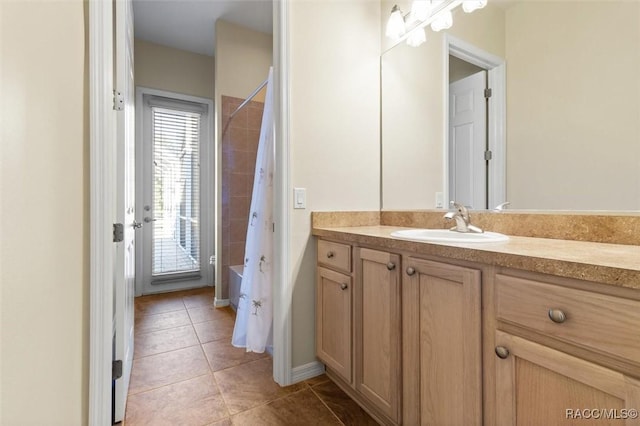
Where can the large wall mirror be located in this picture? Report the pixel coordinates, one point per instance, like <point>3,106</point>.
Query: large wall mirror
<point>562,124</point>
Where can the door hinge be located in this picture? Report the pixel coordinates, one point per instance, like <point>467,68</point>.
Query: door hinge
<point>488,93</point>
<point>116,369</point>
<point>488,155</point>
<point>118,232</point>
<point>118,101</point>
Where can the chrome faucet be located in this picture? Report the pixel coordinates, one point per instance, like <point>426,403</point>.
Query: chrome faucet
<point>462,218</point>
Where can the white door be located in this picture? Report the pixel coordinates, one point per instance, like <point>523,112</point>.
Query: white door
<point>174,193</point>
<point>468,141</point>
<point>124,288</point>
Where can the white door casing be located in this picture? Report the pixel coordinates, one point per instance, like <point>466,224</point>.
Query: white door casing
<point>102,195</point>
<point>146,283</point>
<point>124,289</point>
<point>468,141</point>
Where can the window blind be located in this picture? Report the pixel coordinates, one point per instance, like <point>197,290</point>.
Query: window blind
<point>176,191</point>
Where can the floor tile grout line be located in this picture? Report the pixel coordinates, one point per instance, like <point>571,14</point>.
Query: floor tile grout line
<point>326,405</point>
<point>269,402</point>
<point>215,379</point>
<point>170,350</point>
<point>238,365</point>
<point>162,329</point>
<point>224,400</point>
<point>161,313</point>
<point>211,341</point>
<point>167,384</point>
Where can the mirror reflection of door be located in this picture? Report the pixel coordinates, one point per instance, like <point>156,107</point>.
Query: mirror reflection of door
<point>467,134</point>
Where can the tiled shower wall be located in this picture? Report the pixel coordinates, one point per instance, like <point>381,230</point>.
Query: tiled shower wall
<point>239,149</point>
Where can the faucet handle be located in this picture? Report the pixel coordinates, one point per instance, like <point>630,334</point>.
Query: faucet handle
<point>501,207</point>
<point>462,209</point>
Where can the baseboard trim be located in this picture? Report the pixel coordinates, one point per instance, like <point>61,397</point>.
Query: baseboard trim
<point>219,303</point>
<point>307,371</point>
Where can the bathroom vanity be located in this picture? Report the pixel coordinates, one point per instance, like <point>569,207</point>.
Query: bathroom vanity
<point>530,329</point>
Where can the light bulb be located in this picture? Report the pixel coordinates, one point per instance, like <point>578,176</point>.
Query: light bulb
<point>470,5</point>
<point>443,21</point>
<point>395,24</point>
<point>416,37</point>
<point>420,10</point>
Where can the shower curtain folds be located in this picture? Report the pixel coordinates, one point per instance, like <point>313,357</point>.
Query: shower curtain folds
<point>254,316</point>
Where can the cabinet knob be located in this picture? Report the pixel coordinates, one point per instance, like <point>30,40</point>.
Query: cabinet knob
<point>330,254</point>
<point>391,266</point>
<point>557,316</point>
<point>410,271</point>
<point>343,286</point>
<point>502,352</point>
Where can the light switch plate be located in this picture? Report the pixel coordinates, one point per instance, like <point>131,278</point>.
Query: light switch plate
<point>299,198</point>
<point>439,200</point>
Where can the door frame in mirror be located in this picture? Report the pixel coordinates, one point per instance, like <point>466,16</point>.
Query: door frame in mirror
<point>497,107</point>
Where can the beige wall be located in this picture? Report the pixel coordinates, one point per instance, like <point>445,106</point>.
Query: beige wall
<point>165,68</point>
<point>413,126</point>
<point>574,115</point>
<point>334,132</point>
<point>243,58</point>
<point>44,243</point>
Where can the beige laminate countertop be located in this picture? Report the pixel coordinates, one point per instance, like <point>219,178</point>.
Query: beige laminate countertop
<point>612,264</point>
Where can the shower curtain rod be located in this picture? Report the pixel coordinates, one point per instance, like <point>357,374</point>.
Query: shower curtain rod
<point>251,96</point>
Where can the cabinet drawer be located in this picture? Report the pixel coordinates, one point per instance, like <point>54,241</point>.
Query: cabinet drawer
<point>604,324</point>
<point>334,255</point>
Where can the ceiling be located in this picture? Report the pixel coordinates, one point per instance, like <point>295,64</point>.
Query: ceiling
<point>189,25</point>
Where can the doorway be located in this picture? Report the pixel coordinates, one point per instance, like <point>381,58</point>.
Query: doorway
<point>174,187</point>
<point>104,188</point>
<point>474,147</point>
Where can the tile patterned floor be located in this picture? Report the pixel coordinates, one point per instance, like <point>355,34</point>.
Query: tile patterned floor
<point>186,373</point>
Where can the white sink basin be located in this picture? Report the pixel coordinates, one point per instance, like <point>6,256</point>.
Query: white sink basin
<point>447,236</point>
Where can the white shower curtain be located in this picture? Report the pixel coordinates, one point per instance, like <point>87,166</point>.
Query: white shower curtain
<point>255,314</point>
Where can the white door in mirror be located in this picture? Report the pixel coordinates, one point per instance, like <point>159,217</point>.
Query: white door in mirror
<point>468,141</point>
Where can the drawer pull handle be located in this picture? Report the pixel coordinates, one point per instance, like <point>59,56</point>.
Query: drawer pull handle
<point>330,254</point>
<point>557,316</point>
<point>410,271</point>
<point>502,352</point>
<point>391,266</point>
<point>343,286</point>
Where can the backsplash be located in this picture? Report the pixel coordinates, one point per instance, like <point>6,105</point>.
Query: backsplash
<point>597,227</point>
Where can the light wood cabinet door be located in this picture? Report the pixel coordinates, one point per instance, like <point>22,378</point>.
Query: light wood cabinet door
<point>333,321</point>
<point>537,385</point>
<point>378,330</point>
<point>441,332</point>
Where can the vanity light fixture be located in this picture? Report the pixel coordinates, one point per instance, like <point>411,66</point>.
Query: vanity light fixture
<point>470,5</point>
<point>436,13</point>
<point>395,25</point>
<point>416,37</point>
<point>420,10</point>
<point>443,21</point>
